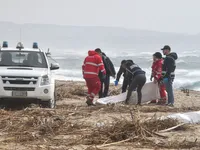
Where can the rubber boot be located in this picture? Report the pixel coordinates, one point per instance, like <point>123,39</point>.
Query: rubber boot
<point>162,101</point>
<point>89,101</point>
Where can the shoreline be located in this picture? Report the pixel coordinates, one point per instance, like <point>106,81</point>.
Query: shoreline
<point>180,96</point>
<point>112,84</point>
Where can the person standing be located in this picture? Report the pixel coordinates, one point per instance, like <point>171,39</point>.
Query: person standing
<point>92,65</point>
<point>110,72</point>
<point>138,80</point>
<point>168,72</point>
<point>157,75</point>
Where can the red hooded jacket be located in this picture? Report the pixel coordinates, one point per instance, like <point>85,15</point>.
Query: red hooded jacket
<point>92,65</point>
<point>157,69</point>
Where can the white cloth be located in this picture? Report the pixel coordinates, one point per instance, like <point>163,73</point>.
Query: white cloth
<point>150,91</point>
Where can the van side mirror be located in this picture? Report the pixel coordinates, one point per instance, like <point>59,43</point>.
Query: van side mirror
<point>54,66</point>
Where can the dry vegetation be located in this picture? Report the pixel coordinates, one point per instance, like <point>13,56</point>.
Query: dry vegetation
<point>71,90</point>
<point>75,126</point>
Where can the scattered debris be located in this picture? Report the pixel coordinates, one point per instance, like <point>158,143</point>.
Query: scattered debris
<point>74,125</point>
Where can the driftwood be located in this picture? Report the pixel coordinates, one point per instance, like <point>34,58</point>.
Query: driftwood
<point>114,143</point>
<point>172,128</point>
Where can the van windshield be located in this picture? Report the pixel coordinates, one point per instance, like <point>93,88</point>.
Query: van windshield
<point>23,59</point>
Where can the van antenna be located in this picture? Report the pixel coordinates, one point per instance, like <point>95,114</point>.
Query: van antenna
<point>20,35</point>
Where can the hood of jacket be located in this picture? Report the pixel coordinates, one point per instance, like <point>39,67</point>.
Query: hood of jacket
<point>92,53</point>
<point>173,55</point>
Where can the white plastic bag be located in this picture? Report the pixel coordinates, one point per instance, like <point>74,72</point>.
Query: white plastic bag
<point>189,117</point>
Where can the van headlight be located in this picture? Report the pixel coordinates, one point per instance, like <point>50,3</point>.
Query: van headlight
<point>45,80</point>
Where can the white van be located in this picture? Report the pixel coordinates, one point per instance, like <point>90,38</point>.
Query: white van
<point>25,73</point>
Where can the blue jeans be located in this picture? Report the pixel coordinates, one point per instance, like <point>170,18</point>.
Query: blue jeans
<point>169,89</point>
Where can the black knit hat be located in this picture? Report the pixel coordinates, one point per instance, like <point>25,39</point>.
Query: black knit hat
<point>158,55</point>
<point>123,62</point>
<point>129,63</point>
<point>98,50</point>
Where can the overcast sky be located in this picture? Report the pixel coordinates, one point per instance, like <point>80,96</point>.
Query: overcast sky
<point>161,15</point>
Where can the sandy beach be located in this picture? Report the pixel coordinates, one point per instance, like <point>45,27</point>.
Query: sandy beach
<point>75,126</point>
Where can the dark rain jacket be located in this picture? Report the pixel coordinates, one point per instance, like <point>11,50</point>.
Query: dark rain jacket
<point>169,66</point>
<point>110,69</point>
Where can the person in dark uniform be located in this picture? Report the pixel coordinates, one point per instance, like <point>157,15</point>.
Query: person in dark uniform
<point>110,72</point>
<point>127,76</point>
<point>138,80</point>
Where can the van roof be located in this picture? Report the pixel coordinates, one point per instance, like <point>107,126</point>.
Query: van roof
<point>24,49</point>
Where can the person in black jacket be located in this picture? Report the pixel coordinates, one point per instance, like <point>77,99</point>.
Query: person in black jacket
<point>138,80</point>
<point>127,76</point>
<point>110,71</point>
<point>168,72</point>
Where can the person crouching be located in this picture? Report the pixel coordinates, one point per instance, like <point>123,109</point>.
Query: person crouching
<point>92,65</point>
<point>138,80</point>
<point>127,76</point>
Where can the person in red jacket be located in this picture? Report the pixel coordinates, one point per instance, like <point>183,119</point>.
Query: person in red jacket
<point>93,64</point>
<point>157,75</point>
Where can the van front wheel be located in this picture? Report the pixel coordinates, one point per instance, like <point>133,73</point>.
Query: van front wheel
<point>50,103</point>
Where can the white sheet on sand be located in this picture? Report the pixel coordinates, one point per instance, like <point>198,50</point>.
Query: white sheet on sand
<point>189,117</point>
<point>150,91</point>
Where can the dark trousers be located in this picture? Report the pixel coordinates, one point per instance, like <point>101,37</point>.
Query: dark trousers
<point>137,82</point>
<point>104,87</point>
<point>170,93</point>
<point>125,84</point>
